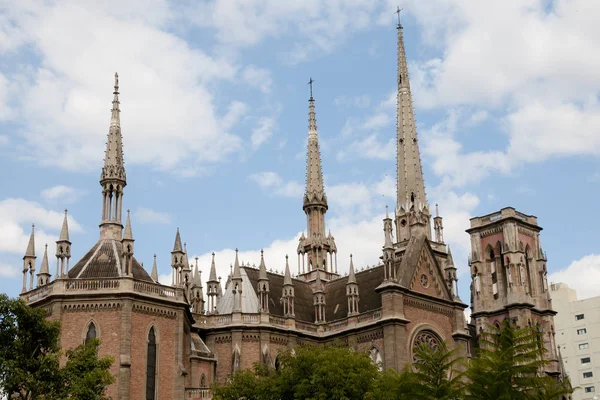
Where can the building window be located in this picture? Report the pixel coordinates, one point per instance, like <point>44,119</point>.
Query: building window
<point>151,366</point>
<point>582,331</point>
<point>91,333</point>
<point>583,346</point>
<point>588,374</point>
<point>589,389</point>
<point>585,360</point>
<point>579,316</point>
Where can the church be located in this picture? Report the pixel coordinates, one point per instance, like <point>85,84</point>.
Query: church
<point>173,341</point>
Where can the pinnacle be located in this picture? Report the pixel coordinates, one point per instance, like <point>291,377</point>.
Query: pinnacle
<point>177,246</point>
<point>287,278</point>
<point>113,159</point>
<point>351,275</point>
<point>262,273</point>
<point>213,271</point>
<point>236,267</point>
<point>154,270</point>
<point>30,252</point>
<point>64,232</point>
<point>128,235</point>
<point>44,267</point>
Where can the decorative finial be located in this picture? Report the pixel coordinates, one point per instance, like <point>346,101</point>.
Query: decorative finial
<point>213,253</point>
<point>286,257</point>
<point>46,245</point>
<point>350,255</point>
<point>66,211</point>
<point>310,82</point>
<point>386,211</point>
<point>437,211</point>
<point>116,83</point>
<point>261,252</point>
<point>398,9</point>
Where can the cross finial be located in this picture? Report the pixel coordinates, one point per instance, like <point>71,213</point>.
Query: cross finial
<point>398,9</point>
<point>310,82</point>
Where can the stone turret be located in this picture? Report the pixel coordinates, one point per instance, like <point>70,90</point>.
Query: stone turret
<point>236,284</point>
<point>212,287</point>
<point>177,260</point>
<point>319,300</point>
<point>263,285</point>
<point>127,252</point>
<point>352,290</point>
<point>29,261</point>
<point>288,294</point>
<point>63,250</point>
<point>44,274</point>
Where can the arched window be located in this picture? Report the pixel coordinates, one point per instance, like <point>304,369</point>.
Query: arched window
<point>427,338</point>
<point>91,333</point>
<point>151,366</point>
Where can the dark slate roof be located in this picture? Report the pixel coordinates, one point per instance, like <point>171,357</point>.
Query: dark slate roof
<point>335,294</point>
<point>101,262</point>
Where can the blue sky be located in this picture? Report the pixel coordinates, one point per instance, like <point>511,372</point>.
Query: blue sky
<point>214,121</point>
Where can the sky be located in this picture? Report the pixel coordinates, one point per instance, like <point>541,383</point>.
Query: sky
<point>214,120</point>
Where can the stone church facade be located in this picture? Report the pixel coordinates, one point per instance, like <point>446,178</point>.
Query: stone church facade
<point>173,341</point>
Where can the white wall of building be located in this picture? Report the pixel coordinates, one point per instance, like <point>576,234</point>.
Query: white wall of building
<point>577,327</point>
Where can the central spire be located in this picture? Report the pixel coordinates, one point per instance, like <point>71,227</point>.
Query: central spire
<point>113,179</point>
<point>315,191</point>
<point>411,187</point>
<point>316,251</point>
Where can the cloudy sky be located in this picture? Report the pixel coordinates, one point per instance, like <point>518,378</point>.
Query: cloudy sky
<point>214,121</point>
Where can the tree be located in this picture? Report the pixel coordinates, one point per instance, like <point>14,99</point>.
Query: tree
<point>437,376</point>
<point>509,366</point>
<point>330,372</point>
<point>30,358</point>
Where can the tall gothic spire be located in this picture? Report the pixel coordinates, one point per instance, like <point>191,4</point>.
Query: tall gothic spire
<point>177,245</point>
<point>411,187</point>
<point>128,235</point>
<point>315,192</point>
<point>113,159</point>
<point>287,277</point>
<point>154,270</point>
<point>212,277</point>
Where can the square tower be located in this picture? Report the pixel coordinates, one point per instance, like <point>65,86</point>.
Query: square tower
<point>508,272</point>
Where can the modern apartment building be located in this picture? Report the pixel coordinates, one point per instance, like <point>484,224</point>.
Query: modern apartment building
<point>578,339</point>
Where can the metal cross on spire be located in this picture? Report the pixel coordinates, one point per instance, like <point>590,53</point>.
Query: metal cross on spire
<point>398,10</point>
<point>310,82</point>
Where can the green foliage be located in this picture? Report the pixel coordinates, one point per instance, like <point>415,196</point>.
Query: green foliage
<point>85,375</point>
<point>313,373</point>
<point>30,354</point>
<point>509,366</point>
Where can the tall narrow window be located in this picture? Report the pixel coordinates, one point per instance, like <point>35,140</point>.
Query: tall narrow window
<point>91,333</point>
<point>151,366</point>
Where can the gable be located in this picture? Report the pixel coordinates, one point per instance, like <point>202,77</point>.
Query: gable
<point>425,275</point>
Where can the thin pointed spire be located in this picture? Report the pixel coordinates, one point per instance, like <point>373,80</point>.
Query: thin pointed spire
<point>351,275</point>
<point>177,245</point>
<point>315,191</point>
<point>197,279</point>
<point>30,252</point>
<point>186,261</point>
<point>262,269</point>
<point>450,260</point>
<point>64,232</point>
<point>212,277</point>
<point>44,269</point>
<point>236,267</point>
<point>387,215</point>
<point>411,187</point>
<point>128,235</point>
<point>287,278</point>
<point>154,274</point>
<point>113,159</point>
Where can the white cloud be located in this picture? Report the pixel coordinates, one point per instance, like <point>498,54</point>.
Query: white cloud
<point>16,217</point>
<point>149,216</point>
<point>271,182</point>
<point>369,147</point>
<point>168,112</point>
<point>4,140</point>
<point>63,194</point>
<point>9,271</point>
<point>262,132</point>
<point>257,77</point>
<point>582,275</point>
